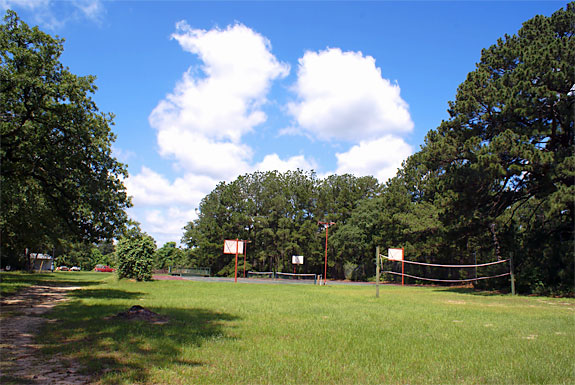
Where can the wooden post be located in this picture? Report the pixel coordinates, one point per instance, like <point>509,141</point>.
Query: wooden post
<point>402,266</point>
<point>236,271</point>
<point>377,272</point>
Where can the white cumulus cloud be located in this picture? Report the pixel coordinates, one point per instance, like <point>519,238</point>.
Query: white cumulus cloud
<point>343,96</point>
<point>151,188</point>
<point>226,102</point>
<point>380,158</point>
<point>201,123</point>
<point>273,162</point>
<point>166,225</point>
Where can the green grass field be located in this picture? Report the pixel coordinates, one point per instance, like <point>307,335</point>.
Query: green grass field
<point>304,334</point>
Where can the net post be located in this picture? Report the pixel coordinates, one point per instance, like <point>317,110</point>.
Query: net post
<point>377,272</point>
<point>236,270</point>
<point>402,266</point>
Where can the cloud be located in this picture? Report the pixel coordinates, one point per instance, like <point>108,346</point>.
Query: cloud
<point>25,4</point>
<point>90,9</point>
<point>196,153</point>
<point>273,162</point>
<point>201,123</point>
<point>342,96</point>
<point>123,155</point>
<point>380,158</point>
<point>152,189</point>
<point>55,14</point>
<point>166,225</point>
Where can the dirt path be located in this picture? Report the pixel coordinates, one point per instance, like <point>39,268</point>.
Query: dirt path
<point>20,358</point>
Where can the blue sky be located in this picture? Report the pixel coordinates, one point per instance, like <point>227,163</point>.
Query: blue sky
<point>206,91</point>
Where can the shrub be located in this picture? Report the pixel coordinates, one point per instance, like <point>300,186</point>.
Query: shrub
<point>136,257</point>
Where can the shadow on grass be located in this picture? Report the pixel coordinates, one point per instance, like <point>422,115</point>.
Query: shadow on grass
<point>114,350</point>
<point>105,294</point>
<point>12,282</point>
<point>470,290</point>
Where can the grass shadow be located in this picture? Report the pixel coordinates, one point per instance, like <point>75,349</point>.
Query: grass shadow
<point>470,290</point>
<point>12,282</point>
<point>105,294</point>
<point>117,350</point>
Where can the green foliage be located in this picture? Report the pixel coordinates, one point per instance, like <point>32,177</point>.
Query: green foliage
<point>501,169</point>
<point>59,178</point>
<point>278,213</point>
<point>136,256</point>
<point>85,255</point>
<point>170,255</point>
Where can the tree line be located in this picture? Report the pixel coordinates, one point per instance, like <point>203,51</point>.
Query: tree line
<point>278,214</point>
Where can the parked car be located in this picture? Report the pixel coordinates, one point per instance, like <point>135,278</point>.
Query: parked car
<point>62,268</point>
<point>103,268</point>
<point>75,268</point>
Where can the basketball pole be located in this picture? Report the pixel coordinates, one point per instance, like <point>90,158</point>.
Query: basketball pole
<point>326,224</point>
<point>377,272</point>
<point>325,264</point>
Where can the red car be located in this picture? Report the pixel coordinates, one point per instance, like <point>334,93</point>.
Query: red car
<point>103,269</point>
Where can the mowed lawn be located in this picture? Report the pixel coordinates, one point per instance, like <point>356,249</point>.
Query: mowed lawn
<point>226,333</point>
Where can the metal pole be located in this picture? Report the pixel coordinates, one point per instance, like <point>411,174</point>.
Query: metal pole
<point>377,272</point>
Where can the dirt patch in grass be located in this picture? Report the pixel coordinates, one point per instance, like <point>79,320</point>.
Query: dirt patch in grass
<point>140,313</point>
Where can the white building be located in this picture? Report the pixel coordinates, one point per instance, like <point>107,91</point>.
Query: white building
<point>42,262</point>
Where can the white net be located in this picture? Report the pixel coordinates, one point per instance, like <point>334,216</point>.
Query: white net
<point>445,273</point>
<point>297,277</point>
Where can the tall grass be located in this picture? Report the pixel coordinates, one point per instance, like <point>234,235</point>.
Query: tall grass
<point>299,334</point>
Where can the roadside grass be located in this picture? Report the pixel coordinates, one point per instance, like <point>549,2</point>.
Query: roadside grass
<point>225,333</point>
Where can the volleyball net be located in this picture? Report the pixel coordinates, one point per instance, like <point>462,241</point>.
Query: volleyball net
<point>297,277</point>
<point>282,276</point>
<point>446,273</point>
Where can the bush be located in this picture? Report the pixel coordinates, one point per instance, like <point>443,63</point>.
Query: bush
<point>136,257</point>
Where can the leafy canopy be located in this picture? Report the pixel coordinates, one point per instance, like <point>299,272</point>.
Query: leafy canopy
<point>59,178</point>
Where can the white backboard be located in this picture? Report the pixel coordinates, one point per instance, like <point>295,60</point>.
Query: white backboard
<point>230,246</point>
<point>395,254</point>
<point>297,259</point>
